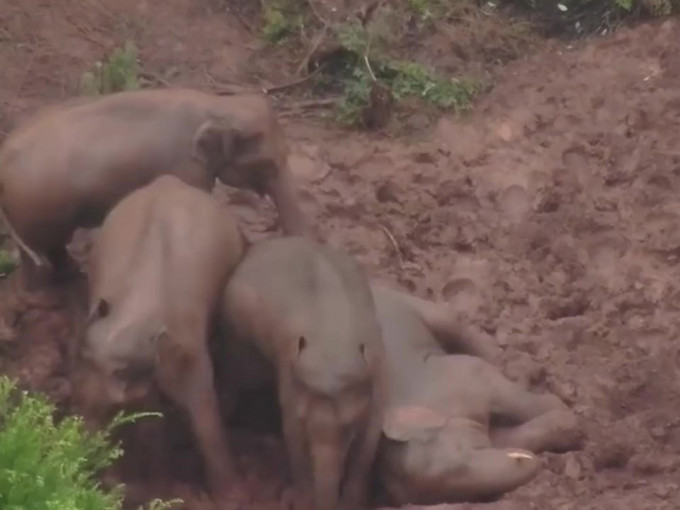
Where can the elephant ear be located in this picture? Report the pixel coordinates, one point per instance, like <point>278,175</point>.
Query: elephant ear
<point>406,423</point>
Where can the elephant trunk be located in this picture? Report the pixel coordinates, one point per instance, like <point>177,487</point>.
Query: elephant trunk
<point>282,192</point>
<point>328,460</point>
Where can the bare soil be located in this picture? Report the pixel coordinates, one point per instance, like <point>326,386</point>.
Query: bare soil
<point>549,215</point>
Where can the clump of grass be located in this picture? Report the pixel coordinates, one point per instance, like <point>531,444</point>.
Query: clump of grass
<point>425,9</point>
<point>119,72</point>
<point>53,466</point>
<point>280,19</point>
<point>7,263</point>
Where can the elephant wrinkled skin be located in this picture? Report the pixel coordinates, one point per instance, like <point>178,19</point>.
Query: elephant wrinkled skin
<point>438,445</point>
<point>306,314</point>
<point>156,275</point>
<point>71,163</point>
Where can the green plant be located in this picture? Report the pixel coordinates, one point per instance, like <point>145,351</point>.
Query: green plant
<point>355,97</point>
<point>280,19</point>
<point>405,79</point>
<point>53,466</point>
<point>423,8</point>
<point>7,263</point>
<point>119,72</point>
<point>364,62</point>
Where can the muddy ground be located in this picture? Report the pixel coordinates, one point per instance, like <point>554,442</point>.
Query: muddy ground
<point>550,216</point>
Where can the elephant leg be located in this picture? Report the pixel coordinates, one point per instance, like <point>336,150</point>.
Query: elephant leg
<point>193,390</point>
<point>452,335</point>
<point>362,454</point>
<point>540,422</point>
<point>294,436</point>
<point>64,266</point>
<point>555,431</point>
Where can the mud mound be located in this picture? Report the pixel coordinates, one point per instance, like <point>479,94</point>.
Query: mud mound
<point>549,217</point>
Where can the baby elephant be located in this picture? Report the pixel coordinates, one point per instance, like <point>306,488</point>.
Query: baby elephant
<point>70,164</point>
<point>156,274</point>
<point>437,445</point>
<point>308,311</point>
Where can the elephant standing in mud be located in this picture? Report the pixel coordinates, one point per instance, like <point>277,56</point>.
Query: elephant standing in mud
<point>157,271</point>
<point>71,163</point>
<point>305,315</point>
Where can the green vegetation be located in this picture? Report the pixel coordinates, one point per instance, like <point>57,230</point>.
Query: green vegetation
<point>119,72</point>
<point>365,62</point>
<point>7,263</point>
<point>405,80</point>
<point>366,59</point>
<point>53,466</point>
<point>280,19</point>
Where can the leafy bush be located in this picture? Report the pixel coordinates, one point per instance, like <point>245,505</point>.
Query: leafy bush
<point>281,18</point>
<point>363,63</point>
<point>53,466</point>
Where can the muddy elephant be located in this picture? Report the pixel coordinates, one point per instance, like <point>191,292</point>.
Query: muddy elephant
<point>305,314</point>
<point>71,163</point>
<point>438,445</point>
<point>156,275</point>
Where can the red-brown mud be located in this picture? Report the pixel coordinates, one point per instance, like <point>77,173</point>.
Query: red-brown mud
<point>550,215</point>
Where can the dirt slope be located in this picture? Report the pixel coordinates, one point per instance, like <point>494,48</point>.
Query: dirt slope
<point>550,216</point>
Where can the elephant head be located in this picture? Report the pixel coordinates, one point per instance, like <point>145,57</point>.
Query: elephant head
<point>254,157</point>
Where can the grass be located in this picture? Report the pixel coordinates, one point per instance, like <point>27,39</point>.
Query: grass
<point>53,466</point>
<point>118,72</point>
<point>7,263</point>
<point>280,19</point>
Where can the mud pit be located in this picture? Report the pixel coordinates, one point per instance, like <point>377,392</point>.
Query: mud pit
<point>550,216</point>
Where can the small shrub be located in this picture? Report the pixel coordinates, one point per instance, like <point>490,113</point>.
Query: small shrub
<point>53,466</point>
<point>405,79</point>
<point>7,263</point>
<point>280,19</point>
<point>119,72</point>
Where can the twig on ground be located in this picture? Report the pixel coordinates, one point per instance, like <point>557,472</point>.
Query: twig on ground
<point>312,103</point>
<point>147,75</point>
<point>318,40</point>
<point>368,66</point>
<point>294,83</point>
<point>228,89</point>
<point>393,241</point>
<point>365,14</point>
<point>243,21</point>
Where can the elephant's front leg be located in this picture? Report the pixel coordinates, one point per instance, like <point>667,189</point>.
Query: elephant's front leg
<point>195,393</point>
<point>292,413</point>
<point>362,455</point>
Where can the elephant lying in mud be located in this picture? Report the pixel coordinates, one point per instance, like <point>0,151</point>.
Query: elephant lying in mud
<point>305,315</point>
<point>156,275</point>
<point>437,444</point>
<point>71,163</point>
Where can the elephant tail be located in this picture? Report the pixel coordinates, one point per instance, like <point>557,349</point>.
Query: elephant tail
<point>37,260</point>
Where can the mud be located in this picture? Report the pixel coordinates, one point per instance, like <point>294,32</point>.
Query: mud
<point>549,216</point>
